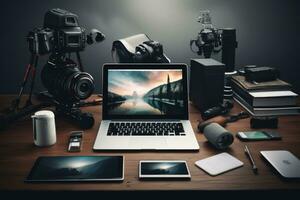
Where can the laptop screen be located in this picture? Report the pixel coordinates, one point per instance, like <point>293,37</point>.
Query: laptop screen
<point>145,92</point>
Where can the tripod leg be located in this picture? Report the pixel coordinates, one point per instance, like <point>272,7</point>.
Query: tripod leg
<point>6,120</point>
<point>16,102</point>
<point>33,80</point>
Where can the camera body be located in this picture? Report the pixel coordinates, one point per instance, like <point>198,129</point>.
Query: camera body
<point>40,41</point>
<point>149,51</point>
<point>61,33</point>
<point>207,41</point>
<point>138,49</point>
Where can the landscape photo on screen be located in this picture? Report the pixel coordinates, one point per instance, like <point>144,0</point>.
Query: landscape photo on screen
<point>145,92</point>
<point>77,167</point>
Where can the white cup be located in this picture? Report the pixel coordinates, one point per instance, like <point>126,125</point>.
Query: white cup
<point>44,132</point>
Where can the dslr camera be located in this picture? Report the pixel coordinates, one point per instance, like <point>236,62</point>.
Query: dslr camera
<point>207,41</point>
<point>138,49</point>
<point>61,34</point>
<point>65,80</point>
<point>149,51</point>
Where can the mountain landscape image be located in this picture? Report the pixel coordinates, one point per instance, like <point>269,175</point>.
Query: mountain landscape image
<point>164,168</point>
<point>145,93</point>
<point>78,168</point>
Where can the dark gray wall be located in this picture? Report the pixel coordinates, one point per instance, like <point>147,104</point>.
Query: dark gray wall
<point>267,31</point>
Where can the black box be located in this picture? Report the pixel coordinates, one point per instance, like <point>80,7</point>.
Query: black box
<point>206,83</point>
<point>261,74</point>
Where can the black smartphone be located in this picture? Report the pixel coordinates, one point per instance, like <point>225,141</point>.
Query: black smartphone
<point>75,141</point>
<point>258,135</point>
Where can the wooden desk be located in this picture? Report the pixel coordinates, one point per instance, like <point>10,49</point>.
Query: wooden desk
<point>17,155</point>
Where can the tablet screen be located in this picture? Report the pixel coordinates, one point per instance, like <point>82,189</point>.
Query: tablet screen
<point>77,168</point>
<point>163,169</point>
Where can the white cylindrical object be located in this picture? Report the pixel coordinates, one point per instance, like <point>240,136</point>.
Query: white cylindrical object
<point>44,131</point>
<point>218,136</point>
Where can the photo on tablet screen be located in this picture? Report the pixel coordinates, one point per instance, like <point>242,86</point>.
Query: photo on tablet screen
<point>164,168</point>
<point>72,168</point>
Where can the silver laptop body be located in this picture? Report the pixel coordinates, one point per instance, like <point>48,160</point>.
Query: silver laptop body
<point>145,107</point>
<point>284,162</point>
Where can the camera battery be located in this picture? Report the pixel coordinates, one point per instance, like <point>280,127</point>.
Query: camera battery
<point>264,122</point>
<point>261,74</point>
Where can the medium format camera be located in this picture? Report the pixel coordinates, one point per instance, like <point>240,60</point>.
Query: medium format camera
<point>61,33</point>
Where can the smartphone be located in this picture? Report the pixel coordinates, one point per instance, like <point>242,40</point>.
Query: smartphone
<point>163,169</point>
<point>75,141</point>
<point>258,135</point>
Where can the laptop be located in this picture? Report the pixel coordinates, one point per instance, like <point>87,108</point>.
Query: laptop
<point>287,164</point>
<point>145,107</point>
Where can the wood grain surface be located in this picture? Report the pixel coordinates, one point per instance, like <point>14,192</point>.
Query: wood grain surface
<point>18,154</point>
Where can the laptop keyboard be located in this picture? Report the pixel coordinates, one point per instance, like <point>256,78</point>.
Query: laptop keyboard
<point>145,129</point>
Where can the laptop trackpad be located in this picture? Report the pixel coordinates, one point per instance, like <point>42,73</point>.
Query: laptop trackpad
<point>148,143</point>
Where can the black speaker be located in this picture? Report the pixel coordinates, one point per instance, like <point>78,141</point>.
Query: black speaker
<point>206,83</point>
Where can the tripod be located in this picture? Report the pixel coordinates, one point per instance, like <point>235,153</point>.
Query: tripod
<point>30,70</point>
<point>69,110</point>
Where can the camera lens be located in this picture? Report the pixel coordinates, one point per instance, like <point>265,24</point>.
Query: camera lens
<point>84,87</point>
<point>67,83</point>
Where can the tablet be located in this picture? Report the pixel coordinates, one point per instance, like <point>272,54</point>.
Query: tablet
<point>77,168</point>
<point>163,169</point>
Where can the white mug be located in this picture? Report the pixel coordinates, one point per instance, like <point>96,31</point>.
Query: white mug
<point>44,132</point>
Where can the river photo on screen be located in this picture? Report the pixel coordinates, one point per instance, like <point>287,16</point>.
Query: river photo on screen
<point>145,92</point>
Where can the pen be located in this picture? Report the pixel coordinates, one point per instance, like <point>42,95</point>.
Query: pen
<point>254,168</point>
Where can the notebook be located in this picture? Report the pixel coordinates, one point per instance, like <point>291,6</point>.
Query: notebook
<point>219,164</point>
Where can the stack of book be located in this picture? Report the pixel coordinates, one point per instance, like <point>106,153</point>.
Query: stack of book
<point>273,98</point>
